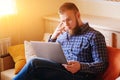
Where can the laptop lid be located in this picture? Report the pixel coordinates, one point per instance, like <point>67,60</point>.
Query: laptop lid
<point>49,50</point>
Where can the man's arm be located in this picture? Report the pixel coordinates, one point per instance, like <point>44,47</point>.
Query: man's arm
<point>60,29</point>
<point>99,55</point>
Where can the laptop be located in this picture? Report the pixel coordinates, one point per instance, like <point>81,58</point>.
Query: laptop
<point>49,50</point>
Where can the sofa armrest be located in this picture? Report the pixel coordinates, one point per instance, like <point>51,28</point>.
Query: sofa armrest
<point>6,62</point>
<point>113,70</point>
<point>118,78</point>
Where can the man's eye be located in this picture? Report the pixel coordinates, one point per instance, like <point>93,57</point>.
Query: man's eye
<point>63,21</point>
<point>68,19</point>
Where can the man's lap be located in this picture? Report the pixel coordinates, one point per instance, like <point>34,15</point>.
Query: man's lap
<point>49,70</point>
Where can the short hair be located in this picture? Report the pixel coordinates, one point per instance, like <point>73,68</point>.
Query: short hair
<point>68,6</point>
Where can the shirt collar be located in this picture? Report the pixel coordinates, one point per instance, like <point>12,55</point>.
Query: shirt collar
<point>84,28</point>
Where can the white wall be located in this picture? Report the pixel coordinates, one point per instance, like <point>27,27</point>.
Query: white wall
<point>99,8</point>
<point>28,24</point>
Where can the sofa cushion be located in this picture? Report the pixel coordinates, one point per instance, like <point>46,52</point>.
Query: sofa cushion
<point>7,74</point>
<point>18,54</point>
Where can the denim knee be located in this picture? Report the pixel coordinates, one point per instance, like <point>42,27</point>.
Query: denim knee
<point>37,62</point>
<point>32,62</point>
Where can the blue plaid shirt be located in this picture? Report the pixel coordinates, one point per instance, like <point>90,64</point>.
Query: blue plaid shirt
<point>89,48</point>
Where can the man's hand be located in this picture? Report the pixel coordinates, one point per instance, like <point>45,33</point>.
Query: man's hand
<point>60,29</point>
<point>72,66</point>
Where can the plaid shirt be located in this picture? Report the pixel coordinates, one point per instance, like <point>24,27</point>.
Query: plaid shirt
<point>88,47</point>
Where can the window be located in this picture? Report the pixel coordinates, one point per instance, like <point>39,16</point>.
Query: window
<point>7,7</point>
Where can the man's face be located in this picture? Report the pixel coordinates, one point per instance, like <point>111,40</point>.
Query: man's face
<point>69,20</point>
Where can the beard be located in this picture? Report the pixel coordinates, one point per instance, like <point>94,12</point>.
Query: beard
<point>76,30</point>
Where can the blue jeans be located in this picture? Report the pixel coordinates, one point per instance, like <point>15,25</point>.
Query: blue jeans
<point>41,69</point>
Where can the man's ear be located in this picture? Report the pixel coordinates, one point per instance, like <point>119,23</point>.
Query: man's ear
<point>78,15</point>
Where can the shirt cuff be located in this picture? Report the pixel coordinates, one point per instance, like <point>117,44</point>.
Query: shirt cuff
<point>83,66</point>
<point>51,40</point>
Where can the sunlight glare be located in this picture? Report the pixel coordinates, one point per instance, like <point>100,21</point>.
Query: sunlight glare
<point>7,7</point>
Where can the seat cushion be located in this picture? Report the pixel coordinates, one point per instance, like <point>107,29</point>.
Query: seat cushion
<point>7,74</point>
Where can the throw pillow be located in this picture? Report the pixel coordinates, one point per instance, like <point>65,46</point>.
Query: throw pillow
<point>18,55</point>
<point>29,51</point>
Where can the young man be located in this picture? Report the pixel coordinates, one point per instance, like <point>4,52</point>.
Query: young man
<point>84,48</point>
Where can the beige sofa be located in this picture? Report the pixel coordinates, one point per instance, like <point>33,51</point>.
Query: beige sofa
<point>6,68</point>
<point>7,63</point>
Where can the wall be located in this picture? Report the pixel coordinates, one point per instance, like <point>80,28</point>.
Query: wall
<point>27,24</point>
<point>99,8</point>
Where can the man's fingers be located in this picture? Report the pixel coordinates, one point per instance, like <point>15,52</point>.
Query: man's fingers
<point>67,67</point>
<point>61,30</point>
<point>60,25</point>
<point>70,62</point>
<point>64,65</point>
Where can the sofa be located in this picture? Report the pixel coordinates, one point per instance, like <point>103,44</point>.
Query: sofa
<point>112,72</point>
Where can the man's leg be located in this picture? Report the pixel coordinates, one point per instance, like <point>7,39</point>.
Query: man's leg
<point>84,76</point>
<point>41,69</point>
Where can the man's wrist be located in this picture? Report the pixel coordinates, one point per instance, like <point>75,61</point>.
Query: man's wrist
<point>51,40</point>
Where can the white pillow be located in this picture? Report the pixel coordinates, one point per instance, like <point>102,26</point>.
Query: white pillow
<point>29,51</point>
<point>46,36</point>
